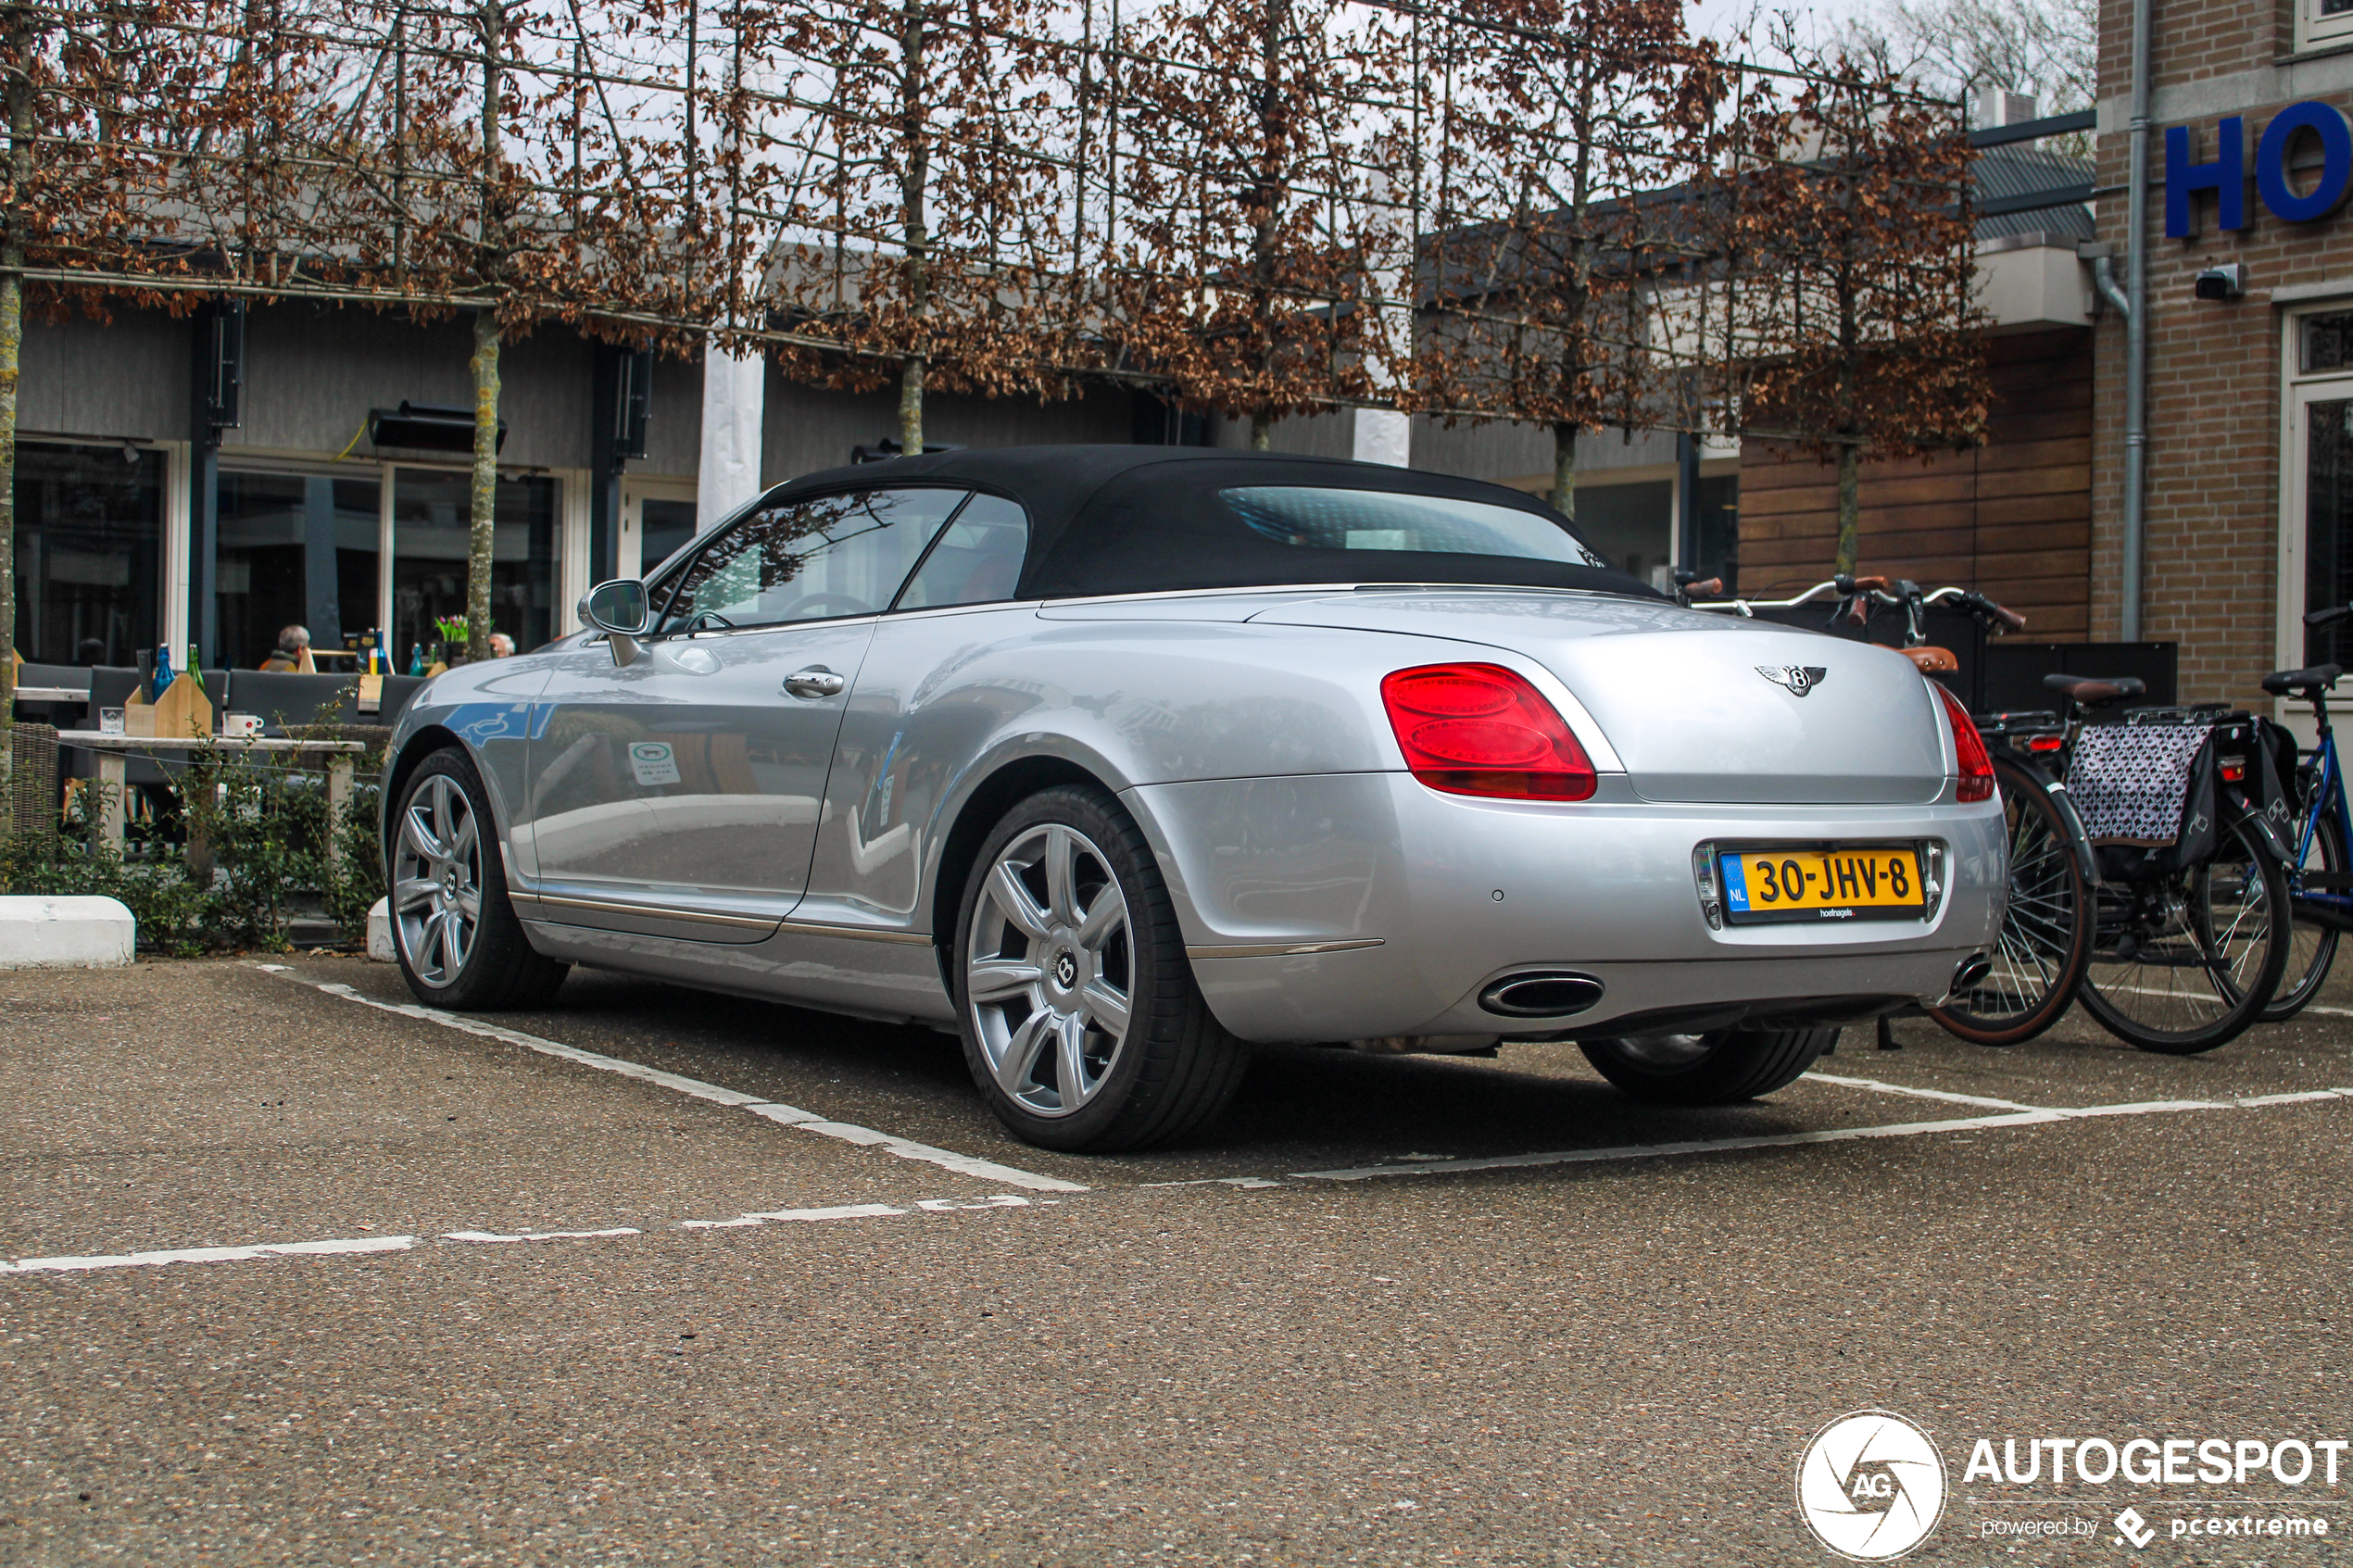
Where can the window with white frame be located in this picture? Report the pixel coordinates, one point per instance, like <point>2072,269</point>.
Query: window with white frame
<point>2320,23</point>
<point>2317,486</point>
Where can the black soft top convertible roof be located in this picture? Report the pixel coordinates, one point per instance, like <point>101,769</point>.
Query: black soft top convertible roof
<point>1140,519</point>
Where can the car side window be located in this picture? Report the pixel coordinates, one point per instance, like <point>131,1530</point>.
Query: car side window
<point>817,559</point>
<point>977,560</point>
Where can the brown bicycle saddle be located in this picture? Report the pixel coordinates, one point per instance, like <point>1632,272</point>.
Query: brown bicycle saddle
<point>1931,660</point>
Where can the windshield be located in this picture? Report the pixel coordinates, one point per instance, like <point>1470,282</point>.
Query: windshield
<point>1318,519</point>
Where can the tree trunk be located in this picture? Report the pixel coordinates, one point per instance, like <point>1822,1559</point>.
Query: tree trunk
<point>910,405</point>
<point>485,365</point>
<point>1564,495</point>
<point>484,362</point>
<point>914,176</point>
<point>1850,511</point>
<point>19,101</point>
<point>1262,430</point>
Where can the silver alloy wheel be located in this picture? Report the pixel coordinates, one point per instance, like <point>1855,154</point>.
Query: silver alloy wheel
<point>437,881</point>
<point>1050,970</point>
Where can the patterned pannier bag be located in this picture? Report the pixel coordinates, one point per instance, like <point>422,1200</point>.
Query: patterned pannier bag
<point>2161,781</point>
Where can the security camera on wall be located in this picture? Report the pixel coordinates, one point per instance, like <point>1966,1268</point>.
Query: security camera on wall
<point>2227,281</point>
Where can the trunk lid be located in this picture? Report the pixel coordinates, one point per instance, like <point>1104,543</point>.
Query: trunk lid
<point>1684,695</point>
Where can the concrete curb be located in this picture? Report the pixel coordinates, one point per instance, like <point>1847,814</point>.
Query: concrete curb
<point>379,931</point>
<point>66,934</point>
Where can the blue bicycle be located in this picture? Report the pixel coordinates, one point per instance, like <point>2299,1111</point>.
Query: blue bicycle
<point>2320,879</point>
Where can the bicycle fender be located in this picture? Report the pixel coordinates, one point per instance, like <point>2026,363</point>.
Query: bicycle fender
<point>2077,839</point>
<point>2238,808</point>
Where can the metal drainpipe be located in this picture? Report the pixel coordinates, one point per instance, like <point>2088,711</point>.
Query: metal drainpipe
<point>2136,333</point>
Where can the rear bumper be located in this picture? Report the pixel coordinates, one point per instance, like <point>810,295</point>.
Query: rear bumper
<point>1603,888</point>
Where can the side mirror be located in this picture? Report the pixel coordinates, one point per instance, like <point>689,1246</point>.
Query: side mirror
<point>619,610</point>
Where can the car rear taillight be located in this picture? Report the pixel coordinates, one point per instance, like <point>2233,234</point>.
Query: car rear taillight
<point>1479,729</point>
<point>1969,750</point>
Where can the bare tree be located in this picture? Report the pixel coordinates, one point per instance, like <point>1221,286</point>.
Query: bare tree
<point>2048,49</point>
<point>1571,130</point>
<point>1850,309</point>
<point>1258,244</point>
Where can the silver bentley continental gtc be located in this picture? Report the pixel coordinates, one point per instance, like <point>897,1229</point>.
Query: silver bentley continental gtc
<point>1114,759</point>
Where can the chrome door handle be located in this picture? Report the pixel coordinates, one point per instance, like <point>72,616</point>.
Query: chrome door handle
<point>814,682</point>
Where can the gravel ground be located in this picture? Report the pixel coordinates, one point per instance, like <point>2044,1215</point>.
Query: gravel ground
<point>1594,1361</point>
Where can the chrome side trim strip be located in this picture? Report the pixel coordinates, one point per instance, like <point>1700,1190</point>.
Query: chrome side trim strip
<point>1280,950</point>
<point>707,917</point>
<point>855,932</point>
<point>650,911</point>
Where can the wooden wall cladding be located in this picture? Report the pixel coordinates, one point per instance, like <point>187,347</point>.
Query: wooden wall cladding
<point>2011,518</point>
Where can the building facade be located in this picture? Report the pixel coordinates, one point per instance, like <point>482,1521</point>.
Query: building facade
<point>134,516</point>
<point>2250,479</point>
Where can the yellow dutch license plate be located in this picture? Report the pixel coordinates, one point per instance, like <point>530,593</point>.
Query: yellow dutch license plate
<point>1870,882</point>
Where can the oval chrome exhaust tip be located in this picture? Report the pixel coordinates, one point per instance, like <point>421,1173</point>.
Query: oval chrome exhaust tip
<point>1541,994</point>
<point>1974,968</point>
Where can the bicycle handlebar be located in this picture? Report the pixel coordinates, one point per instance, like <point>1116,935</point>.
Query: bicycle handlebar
<point>1860,591</point>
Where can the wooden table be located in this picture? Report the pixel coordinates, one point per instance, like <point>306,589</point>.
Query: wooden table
<point>114,753</point>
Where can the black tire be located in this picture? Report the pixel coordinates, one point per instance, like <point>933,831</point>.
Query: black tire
<point>1169,1070</point>
<point>2187,961</point>
<point>1716,1068</point>
<point>495,965</point>
<point>2311,946</point>
<point>2046,940</point>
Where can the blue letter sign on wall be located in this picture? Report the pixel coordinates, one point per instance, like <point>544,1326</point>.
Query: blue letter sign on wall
<point>2226,177</point>
<point>2272,162</point>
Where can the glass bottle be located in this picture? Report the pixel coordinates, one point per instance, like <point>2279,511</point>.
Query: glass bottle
<point>416,659</point>
<point>196,667</point>
<point>163,672</point>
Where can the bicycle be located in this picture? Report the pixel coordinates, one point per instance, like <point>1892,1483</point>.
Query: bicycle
<point>2319,881</point>
<point>2191,945</point>
<point>2046,941</point>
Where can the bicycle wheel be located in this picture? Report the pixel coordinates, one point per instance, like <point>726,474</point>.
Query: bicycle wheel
<point>2311,946</point>
<point>2045,939</point>
<point>2183,962</point>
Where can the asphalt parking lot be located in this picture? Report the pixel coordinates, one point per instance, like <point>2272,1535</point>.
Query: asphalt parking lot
<point>736,1284</point>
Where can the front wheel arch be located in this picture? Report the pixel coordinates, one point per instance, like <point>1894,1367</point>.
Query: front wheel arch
<point>411,756</point>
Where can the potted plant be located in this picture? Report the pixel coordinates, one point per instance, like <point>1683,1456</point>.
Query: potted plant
<point>451,648</point>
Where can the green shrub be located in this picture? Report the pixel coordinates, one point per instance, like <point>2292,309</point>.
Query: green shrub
<point>244,844</point>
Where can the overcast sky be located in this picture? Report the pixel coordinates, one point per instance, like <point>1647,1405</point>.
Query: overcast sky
<point>1722,19</point>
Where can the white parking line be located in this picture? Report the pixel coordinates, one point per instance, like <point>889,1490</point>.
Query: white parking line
<point>207,1255</point>
<point>2030,1117</point>
<point>405,1243</point>
<point>1886,1088</point>
<point>783,1115</point>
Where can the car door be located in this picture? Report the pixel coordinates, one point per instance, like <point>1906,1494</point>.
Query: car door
<point>910,732</point>
<point>679,794</point>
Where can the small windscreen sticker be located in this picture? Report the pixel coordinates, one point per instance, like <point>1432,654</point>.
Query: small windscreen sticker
<point>651,761</point>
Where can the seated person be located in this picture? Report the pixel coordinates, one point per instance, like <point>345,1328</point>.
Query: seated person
<point>287,655</point>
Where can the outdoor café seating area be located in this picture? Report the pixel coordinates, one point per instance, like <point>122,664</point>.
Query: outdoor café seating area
<point>85,720</point>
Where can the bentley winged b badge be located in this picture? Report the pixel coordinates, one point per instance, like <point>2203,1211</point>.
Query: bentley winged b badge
<point>1799,678</point>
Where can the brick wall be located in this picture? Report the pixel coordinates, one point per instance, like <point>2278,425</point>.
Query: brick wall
<point>2212,576</point>
<point>2012,519</point>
